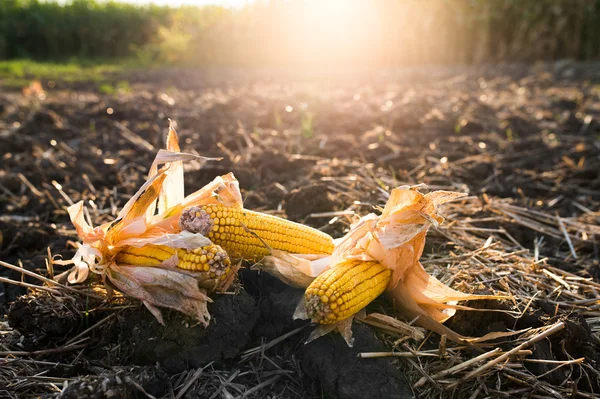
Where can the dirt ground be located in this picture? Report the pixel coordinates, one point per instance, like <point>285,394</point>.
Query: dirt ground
<point>519,139</point>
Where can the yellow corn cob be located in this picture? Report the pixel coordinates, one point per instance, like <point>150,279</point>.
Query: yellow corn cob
<point>342,291</point>
<point>225,226</point>
<point>210,260</point>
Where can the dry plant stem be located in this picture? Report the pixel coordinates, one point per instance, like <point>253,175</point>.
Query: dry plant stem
<point>476,393</point>
<point>83,333</point>
<point>459,367</point>
<point>566,273</point>
<point>65,196</point>
<point>227,382</point>
<point>567,236</point>
<point>29,185</point>
<point>425,375</point>
<point>45,280</point>
<point>399,328</point>
<point>442,347</point>
<point>561,364</point>
<point>556,278</point>
<point>554,329</point>
<point>43,352</point>
<point>374,355</point>
<point>27,285</point>
<point>135,139</point>
<point>37,362</point>
<point>259,386</point>
<point>262,348</point>
<point>189,382</point>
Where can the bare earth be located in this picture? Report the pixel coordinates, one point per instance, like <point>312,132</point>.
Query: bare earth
<point>522,141</point>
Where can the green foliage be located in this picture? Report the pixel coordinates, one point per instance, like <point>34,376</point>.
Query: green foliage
<point>509,134</point>
<point>107,88</point>
<point>280,33</point>
<point>277,119</point>
<point>73,70</point>
<point>19,73</point>
<point>110,89</point>
<point>307,124</point>
<point>81,28</point>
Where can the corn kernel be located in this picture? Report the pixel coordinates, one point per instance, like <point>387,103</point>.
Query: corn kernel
<point>228,230</point>
<point>357,283</point>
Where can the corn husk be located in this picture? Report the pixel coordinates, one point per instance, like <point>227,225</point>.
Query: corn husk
<point>396,239</point>
<point>151,217</point>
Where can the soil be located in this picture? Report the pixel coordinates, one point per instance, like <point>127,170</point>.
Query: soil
<point>296,144</point>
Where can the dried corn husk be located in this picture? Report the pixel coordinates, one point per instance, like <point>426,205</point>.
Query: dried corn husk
<point>139,224</point>
<point>396,239</point>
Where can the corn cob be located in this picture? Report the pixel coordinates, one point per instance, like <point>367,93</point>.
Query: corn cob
<point>241,232</point>
<point>211,261</point>
<point>342,291</point>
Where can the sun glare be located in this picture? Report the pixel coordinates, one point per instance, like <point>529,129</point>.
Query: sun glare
<point>176,3</point>
<point>326,32</point>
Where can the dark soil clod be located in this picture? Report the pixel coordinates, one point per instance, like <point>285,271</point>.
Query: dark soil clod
<point>343,375</point>
<point>43,317</point>
<point>303,201</point>
<point>180,346</point>
<point>276,302</point>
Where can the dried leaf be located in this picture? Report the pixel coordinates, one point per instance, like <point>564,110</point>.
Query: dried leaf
<point>495,335</point>
<point>297,270</point>
<point>86,233</point>
<point>402,328</point>
<point>405,303</point>
<point>172,192</point>
<point>163,288</point>
<point>83,258</point>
